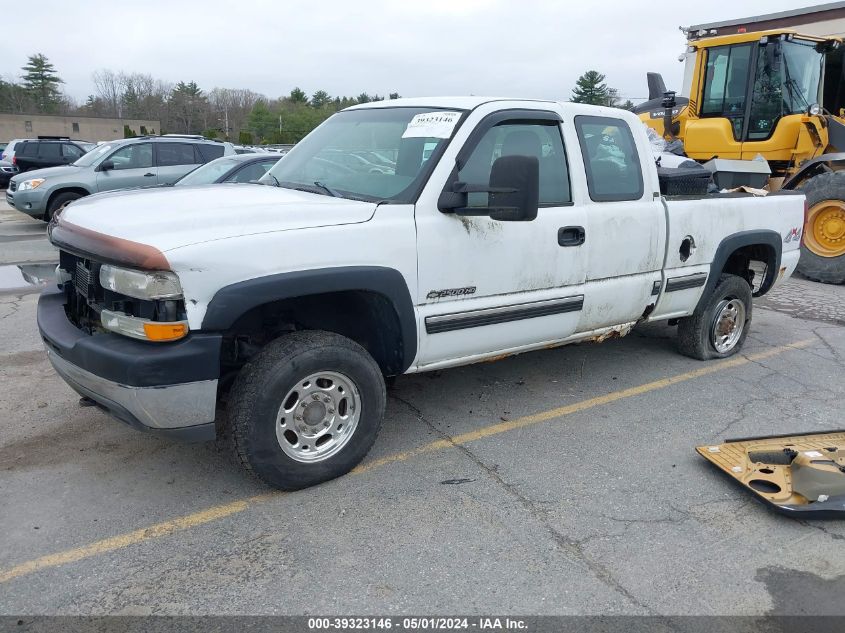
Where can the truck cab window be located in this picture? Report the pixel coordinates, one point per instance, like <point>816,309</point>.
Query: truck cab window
<point>610,158</point>
<point>541,140</point>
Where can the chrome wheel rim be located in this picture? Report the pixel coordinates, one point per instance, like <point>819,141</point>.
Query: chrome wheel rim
<point>728,325</point>
<point>318,416</point>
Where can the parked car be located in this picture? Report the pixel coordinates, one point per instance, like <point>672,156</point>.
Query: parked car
<point>41,153</point>
<point>123,164</point>
<point>238,168</point>
<point>532,224</point>
<point>7,170</point>
<point>8,152</point>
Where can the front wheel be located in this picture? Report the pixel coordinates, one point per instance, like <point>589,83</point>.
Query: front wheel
<point>59,202</point>
<point>720,323</point>
<point>307,409</point>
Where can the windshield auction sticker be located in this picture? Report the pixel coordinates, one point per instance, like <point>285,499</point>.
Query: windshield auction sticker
<point>432,125</point>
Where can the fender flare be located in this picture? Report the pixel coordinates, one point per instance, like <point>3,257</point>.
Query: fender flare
<point>731,244</point>
<point>820,164</point>
<point>231,302</point>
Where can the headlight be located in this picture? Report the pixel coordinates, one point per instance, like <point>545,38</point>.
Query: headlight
<point>32,183</point>
<point>157,284</point>
<point>814,110</point>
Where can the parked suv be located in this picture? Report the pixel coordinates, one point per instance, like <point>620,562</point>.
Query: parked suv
<point>37,154</point>
<point>134,162</point>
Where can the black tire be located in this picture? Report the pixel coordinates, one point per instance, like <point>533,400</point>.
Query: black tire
<point>829,270</point>
<point>257,397</point>
<point>58,202</point>
<point>696,332</point>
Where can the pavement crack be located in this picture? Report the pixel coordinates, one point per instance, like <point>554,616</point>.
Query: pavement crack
<point>834,352</point>
<point>571,546</point>
<point>821,528</point>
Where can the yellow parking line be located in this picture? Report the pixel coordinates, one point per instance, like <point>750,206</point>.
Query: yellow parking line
<point>218,512</point>
<point>131,538</point>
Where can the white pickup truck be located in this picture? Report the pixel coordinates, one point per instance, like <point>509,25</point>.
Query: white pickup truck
<point>400,236</point>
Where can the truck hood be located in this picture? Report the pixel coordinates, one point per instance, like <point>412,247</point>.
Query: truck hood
<point>170,218</point>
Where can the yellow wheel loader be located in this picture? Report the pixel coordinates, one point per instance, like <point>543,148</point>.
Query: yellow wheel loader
<point>778,94</point>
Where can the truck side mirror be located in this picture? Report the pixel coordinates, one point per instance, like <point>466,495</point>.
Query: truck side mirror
<point>514,192</point>
<point>106,165</point>
<point>520,174</point>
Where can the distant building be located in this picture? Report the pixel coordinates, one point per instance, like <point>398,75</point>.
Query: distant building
<point>85,128</point>
<point>821,20</point>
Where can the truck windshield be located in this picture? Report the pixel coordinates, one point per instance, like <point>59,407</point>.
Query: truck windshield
<point>376,154</point>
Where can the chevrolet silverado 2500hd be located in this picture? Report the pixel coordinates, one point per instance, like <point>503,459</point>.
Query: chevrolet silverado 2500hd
<point>492,227</point>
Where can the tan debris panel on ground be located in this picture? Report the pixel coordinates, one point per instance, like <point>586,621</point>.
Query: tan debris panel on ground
<point>794,474</point>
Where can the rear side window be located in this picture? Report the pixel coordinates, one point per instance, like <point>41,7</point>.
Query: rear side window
<point>71,151</point>
<point>251,172</point>
<point>27,149</point>
<point>170,154</point>
<point>610,158</point>
<point>50,150</point>
<point>209,152</point>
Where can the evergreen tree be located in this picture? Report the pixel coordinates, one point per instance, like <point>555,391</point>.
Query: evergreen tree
<point>590,88</point>
<point>320,99</point>
<point>188,107</point>
<point>41,82</point>
<point>298,96</point>
<point>261,122</point>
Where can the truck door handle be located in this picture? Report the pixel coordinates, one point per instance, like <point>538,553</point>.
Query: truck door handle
<point>571,236</point>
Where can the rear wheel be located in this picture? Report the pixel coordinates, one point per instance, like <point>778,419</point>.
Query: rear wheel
<point>307,409</point>
<point>720,323</point>
<point>59,202</point>
<point>823,255</point>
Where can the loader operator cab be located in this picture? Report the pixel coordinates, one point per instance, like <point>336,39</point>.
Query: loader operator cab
<point>754,84</point>
<point>750,92</point>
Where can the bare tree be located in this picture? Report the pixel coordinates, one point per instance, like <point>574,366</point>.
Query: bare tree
<point>230,108</point>
<point>110,87</point>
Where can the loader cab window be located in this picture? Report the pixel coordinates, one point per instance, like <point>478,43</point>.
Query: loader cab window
<point>726,84</point>
<point>787,80</point>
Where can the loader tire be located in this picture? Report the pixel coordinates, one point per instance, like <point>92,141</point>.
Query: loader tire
<point>823,252</point>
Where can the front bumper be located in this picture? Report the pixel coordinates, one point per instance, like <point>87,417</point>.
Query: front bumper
<point>32,202</point>
<point>168,389</point>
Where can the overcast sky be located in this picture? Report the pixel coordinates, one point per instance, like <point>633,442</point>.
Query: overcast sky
<point>521,48</point>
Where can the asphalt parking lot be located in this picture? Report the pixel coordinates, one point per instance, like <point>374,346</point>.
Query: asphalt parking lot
<point>557,482</point>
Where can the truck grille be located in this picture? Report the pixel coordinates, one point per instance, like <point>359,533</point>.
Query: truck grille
<point>82,278</point>
<point>82,291</point>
